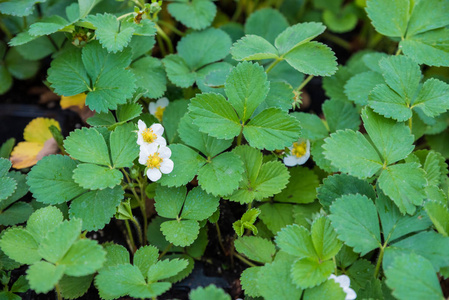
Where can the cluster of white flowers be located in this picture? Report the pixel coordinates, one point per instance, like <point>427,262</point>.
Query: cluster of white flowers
<point>299,153</point>
<point>344,283</point>
<point>154,152</point>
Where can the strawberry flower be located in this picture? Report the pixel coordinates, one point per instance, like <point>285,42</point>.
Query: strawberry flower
<point>147,136</point>
<point>157,159</point>
<point>344,283</point>
<point>157,108</point>
<point>299,153</point>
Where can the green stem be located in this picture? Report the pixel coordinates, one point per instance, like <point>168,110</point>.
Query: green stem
<point>125,15</point>
<point>130,237</point>
<point>244,260</point>
<point>239,137</point>
<point>25,24</point>
<point>171,27</point>
<point>398,52</point>
<point>220,238</point>
<point>410,124</point>
<point>303,84</point>
<point>165,37</point>
<point>273,64</point>
<point>379,260</point>
<point>6,30</point>
<point>138,3</point>
<point>335,265</point>
<point>337,40</point>
<point>166,250</point>
<point>143,209</point>
<point>53,42</point>
<point>161,45</point>
<point>238,11</point>
<point>58,292</point>
<point>139,230</point>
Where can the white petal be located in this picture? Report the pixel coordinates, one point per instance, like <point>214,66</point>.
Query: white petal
<point>167,166</point>
<point>152,108</point>
<point>143,158</point>
<point>290,160</point>
<point>350,294</point>
<point>149,148</point>
<point>154,174</point>
<point>157,128</point>
<point>332,276</point>
<point>160,141</point>
<point>164,152</point>
<point>140,140</point>
<point>302,160</point>
<point>343,280</point>
<point>163,102</point>
<point>141,124</point>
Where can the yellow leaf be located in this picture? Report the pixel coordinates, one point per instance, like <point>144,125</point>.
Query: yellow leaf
<point>25,154</point>
<point>77,100</point>
<point>37,130</point>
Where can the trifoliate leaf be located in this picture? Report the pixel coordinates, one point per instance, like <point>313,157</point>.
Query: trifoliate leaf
<point>309,272</point>
<point>276,216</point>
<point>74,287</point>
<point>256,248</point>
<point>411,276</point>
<point>351,152</point>
<point>123,143</point>
<point>296,241</point>
<point>48,25</point>
<point>20,246</point>
<point>253,47</point>
<point>115,255</point>
<point>301,188</point>
<point>404,184</point>
<point>303,214</point>
<point>150,75</point>
<point>439,214</point>
<point>83,258</point>
<point>204,47</point>
<point>246,222</point>
<point>19,8</point>
<point>187,271</point>
<point>211,78</point>
<point>196,14</point>
<point>360,86</point>
<point>272,129</point>
<point>199,205</point>
<point>285,73</point>
<point>337,185</point>
<point>324,239</point>
<point>280,95</point>
<point>43,276</point>
<point>88,145</point>
<point>209,292</point>
<point>102,119</point>
<point>42,221</point>
<point>432,98</point>
<point>213,114</point>
<point>267,23</point>
<point>180,233</point>
<point>248,279</point>
<point>327,290</point>
<point>390,18</point>
<point>186,162</point>
<point>246,88</point>
<point>51,180</point>
<point>354,218</point>
<point>275,282</point>
<point>169,201</point>
<point>297,35</point>
<point>340,115</point>
<point>222,175</point>
<point>178,71</point>
<point>145,257</point>
<point>166,268</point>
<point>96,177</point>
<point>96,208</point>
<point>393,140</point>
<point>312,127</point>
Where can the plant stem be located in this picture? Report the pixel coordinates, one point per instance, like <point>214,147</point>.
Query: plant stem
<point>165,38</point>
<point>171,27</point>
<point>238,11</point>
<point>130,236</point>
<point>161,45</point>
<point>58,292</point>
<point>125,15</point>
<point>53,42</point>
<point>272,65</point>
<point>165,250</point>
<point>139,230</point>
<point>410,123</point>
<point>379,260</point>
<point>335,264</point>
<point>306,81</point>
<point>143,209</point>
<point>220,238</point>
<point>239,137</point>
<point>244,260</point>
<point>337,40</point>
<point>398,52</point>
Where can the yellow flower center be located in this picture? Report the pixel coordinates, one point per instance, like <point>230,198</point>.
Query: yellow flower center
<point>154,161</point>
<point>148,135</point>
<point>159,112</point>
<point>299,149</point>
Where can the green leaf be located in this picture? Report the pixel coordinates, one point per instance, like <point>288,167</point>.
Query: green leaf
<point>42,221</point>
<point>248,279</point>
<point>180,233</point>
<point>48,25</point>
<point>110,33</point>
<point>20,246</point>
<point>86,6</point>
<point>309,272</point>
<point>340,115</point>
<point>204,47</point>
<point>324,239</point>
<point>297,35</point>
<point>145,257</point>
<point>246,88</point>
<point>5,80</point>
<point>7,187</point>
<point>83,258</point>
<point>296,241</point>
<point>209,292</point>
<point>171,118</point>
<point>301,188</point>
<point>96,208</point>
<point>222,175</point>
<point>276,216</point>
<point>96,177</point>
<point>88,145</point>
<point>412,276</point>
<point>19,67</point>
<point>343,21</point>
<point>267,23</point>
<point>432,98</point>
<point>187,271</point>
<point>404,184</point>
<point>178,71</point>
<point>166,268</point>
<point>351,152</point>
<point>102,119</point>
<point>169,201</point>
<point>312,127</point>
<point>213,114</point>
<point>419,20</point>
<point>16,213</point>
<point>18,8</point>
<point>51,182</point>
<point>256,248</point>
<point>124,148</point>
<point>354,218</point>
<point>337,185</point>
<point>74,287</point>
<point>128,111</point>
<point>359,87</point>
<point>246,222</point>
<point>393,140</point>
<point>150,75</point>
<point>253,47</point>
<point>272,129</point>
<point>312,58</point>
<point>280,95</point>
<point>218,69</point>
<point>43,276</point>
<point>186,162</point>
<point>115,255</point>
<point>390,18</point>
<point>196,14</point>
<point>199,205</point>
<point>21,190</point>
<point>327,290</point>
<point>275,281</point>
<point>439,214</point>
